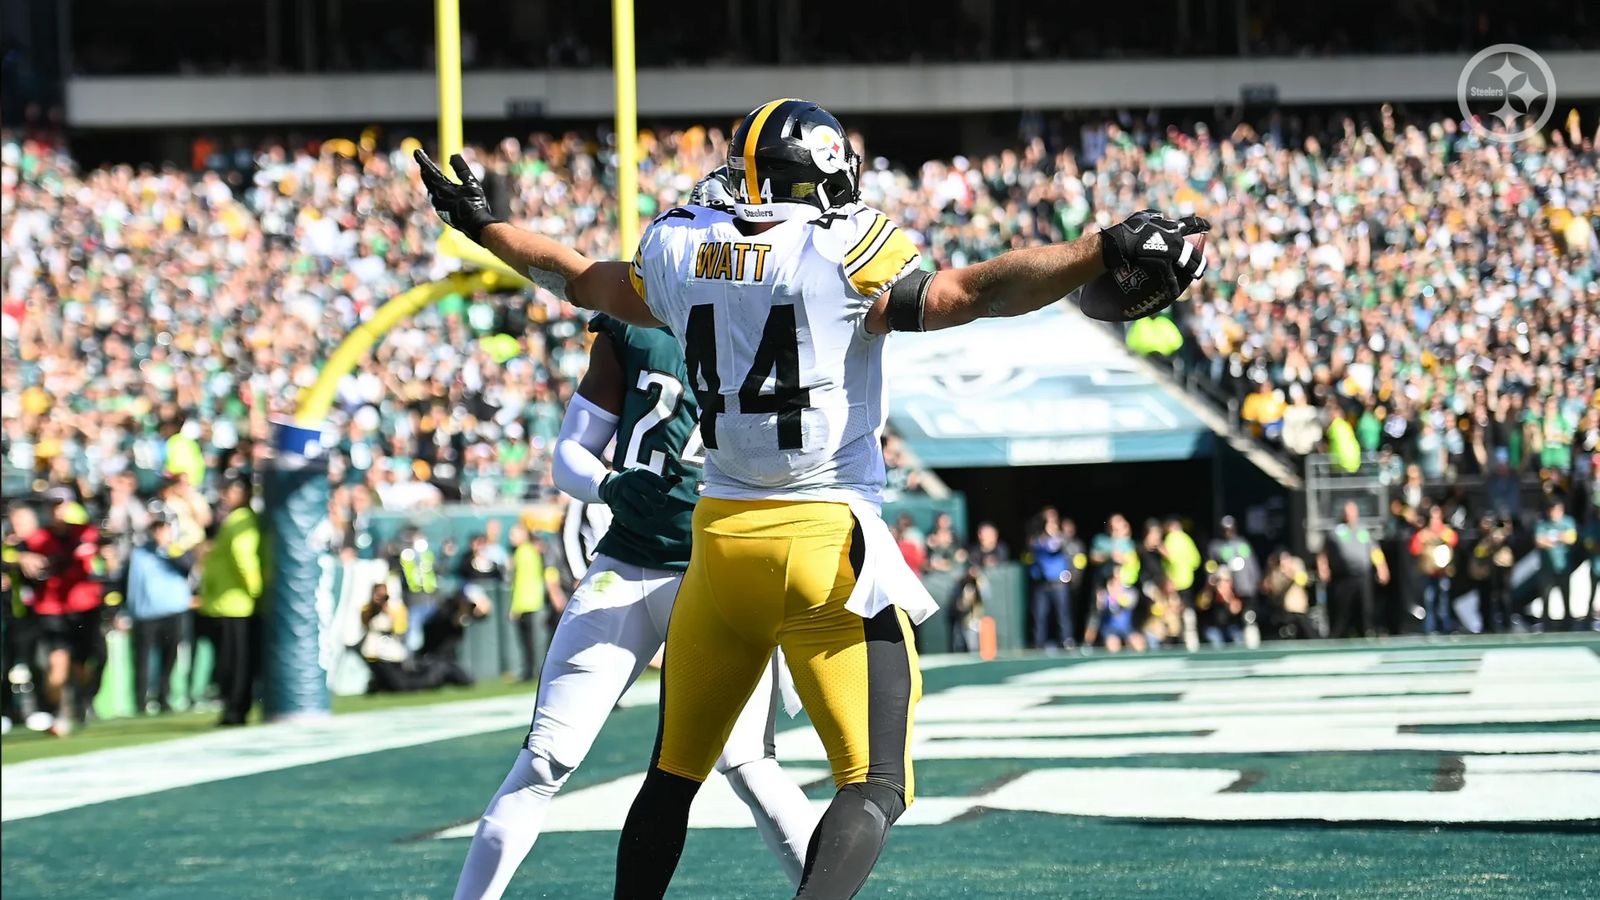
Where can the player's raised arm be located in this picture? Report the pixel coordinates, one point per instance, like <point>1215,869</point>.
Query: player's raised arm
<point>1023,281</point>
<point>602,286</point>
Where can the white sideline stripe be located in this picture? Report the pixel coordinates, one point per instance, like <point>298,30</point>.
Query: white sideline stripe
<point>44,786</point>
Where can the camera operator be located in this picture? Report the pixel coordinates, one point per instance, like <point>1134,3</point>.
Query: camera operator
<point>446,630</point>
<point>393,668</point>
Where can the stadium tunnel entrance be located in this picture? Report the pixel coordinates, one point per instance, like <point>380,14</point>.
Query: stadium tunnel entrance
<point>1012,497</point>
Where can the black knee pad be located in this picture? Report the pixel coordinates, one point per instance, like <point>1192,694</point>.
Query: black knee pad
<point>890,801</point>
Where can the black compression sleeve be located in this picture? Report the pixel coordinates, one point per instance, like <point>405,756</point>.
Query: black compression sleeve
<point>906,301</point>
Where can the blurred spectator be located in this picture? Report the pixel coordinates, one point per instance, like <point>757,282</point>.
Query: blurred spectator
<point>535,587</point>
<point>1231,553</point>
<point>945,553</point>
<point>157,605</point>
<point>1051,574</point>
<point>17,592</point>
<point>1220,611</point>
<point>483,564</point>
<point>127,519</point>
<point>418,567</point>
<point>1591,543</point>
<point>1161,620</point>
<point>1554,537</point>
<point>1503,492</point>
<point>1343,448</point>
<point>1113,552</point>
<point>1349,559</point>
<point>1302,425</point>
<point>1490,568</point>
<point>1263,412</point>
<point>446,630</point>
<point>964,611</point>
<point>1154,336</point>
<point>1152,556</point>
<point>1180,559</point>
<point>1115,605</point>
<point>383,646</point>
<point>989,550</point>
<point>62,560</point>
<point>1287,590</point>
<point>901,476</point>
<point>1433,550</point>
<point>909,540</point>
<point>230,584</point>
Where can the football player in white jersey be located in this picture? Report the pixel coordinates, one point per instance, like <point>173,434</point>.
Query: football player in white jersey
<point>782,308</point>
<point>632,393</point>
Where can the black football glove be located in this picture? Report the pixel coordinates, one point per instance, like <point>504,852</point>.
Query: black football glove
<point>635,493</point>
<point>1148,236</point>
<point>464,206</point>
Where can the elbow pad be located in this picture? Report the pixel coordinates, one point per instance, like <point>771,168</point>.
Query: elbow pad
<point>907,300</point>
<point>585,431</point>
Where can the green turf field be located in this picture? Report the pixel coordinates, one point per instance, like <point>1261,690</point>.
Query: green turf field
<point>1465,768</point>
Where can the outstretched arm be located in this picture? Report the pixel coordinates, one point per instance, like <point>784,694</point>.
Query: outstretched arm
<point>1012,283</point>
<point>601,286</point>
<point>1023,281</point>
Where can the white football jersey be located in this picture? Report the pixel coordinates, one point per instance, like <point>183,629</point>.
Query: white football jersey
<point>772,326</point>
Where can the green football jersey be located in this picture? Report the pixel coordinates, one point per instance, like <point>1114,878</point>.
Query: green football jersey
<point>659,430</point>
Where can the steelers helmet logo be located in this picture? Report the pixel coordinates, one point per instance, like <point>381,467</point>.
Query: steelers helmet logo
<point>827,149</point>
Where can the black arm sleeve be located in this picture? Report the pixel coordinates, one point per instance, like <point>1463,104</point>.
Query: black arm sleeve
<point>906,300</point>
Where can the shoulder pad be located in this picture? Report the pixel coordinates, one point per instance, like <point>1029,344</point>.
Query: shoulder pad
<point>679,216</point>
<point>871,249</point>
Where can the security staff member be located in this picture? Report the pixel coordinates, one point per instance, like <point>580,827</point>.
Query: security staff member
<point>1349,557</point>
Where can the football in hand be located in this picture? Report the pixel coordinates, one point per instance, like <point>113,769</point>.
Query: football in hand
<point>1134,291</point>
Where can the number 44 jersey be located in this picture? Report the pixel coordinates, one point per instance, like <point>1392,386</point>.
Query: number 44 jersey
<point>772,325</point>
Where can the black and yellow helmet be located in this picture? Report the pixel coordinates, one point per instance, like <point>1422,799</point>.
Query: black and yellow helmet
<point>790,157</point>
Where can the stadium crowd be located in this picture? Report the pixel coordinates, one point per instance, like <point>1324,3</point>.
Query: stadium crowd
<point>1414,290</point>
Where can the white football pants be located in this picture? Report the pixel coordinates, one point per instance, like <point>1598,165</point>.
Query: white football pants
<point>612,627</point>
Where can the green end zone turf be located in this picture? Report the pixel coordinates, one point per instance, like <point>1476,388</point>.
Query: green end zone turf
<point>366,825</point>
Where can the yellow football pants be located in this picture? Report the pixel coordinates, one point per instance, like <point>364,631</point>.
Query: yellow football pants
<point>765,574</point>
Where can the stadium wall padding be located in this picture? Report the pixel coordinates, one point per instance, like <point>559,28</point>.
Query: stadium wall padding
<point>296,510</point>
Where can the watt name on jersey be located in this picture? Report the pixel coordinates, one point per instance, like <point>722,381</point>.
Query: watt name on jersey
<point>790,382</point>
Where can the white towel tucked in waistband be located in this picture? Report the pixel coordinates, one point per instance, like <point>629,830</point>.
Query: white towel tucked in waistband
<point>885,578</point>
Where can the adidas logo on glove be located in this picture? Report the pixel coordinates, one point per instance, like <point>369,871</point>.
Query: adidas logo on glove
<point>1156,243</point>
